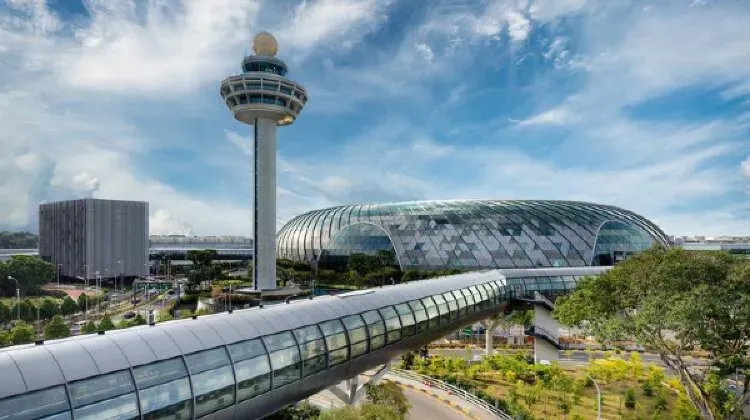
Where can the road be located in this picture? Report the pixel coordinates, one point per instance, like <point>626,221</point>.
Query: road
<point>424,407</point>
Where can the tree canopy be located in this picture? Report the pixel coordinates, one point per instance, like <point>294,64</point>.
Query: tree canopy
<point>18,240</point>
<point>674,301</point>
<point>69,306</point>
<point>31,273</point>
<point>56,329</point>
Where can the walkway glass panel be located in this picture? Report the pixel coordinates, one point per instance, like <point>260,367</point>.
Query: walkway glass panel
<point>213,380</point>
<point>110,396</point>
<point>357,331</point>
<point>392,324</point>
<point>442,307</point>
<point>285,358</point>
<point>47,404</point>
<point>252,367</point>
<point>313,348</point>
<point>432,313</point>
<point>420,315</point>
<point>407,320</point>
<point>336,341</point>
<point>164,390</point>
<point>375,329</point>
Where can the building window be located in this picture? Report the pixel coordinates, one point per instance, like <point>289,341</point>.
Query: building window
<point>285,358</point>
<point>336,341</point>
<point>375,329</point>
<point>357,331</point>
<point>47,404</point>
<point>312,346</point>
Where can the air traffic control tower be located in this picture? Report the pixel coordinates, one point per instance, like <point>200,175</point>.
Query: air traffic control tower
<point>263,97</point>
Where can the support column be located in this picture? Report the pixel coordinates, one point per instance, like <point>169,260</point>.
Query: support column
<point>353,391</point>
<point>489,341</point>
<point>264,205</point>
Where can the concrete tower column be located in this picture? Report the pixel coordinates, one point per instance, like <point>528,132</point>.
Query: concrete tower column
<point>264,207</point>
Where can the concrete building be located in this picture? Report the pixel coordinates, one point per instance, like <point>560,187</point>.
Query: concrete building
<point>263,97</point>
<point>83,237</point>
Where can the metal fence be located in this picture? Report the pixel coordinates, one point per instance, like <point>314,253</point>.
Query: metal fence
<point>453,390</point>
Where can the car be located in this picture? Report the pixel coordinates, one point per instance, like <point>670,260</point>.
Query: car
<point>129,314</point>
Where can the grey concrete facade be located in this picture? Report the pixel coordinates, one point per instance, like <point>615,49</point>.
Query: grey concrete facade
<point>88,235</point>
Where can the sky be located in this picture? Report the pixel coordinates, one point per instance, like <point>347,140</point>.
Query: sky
<point>639,104</point>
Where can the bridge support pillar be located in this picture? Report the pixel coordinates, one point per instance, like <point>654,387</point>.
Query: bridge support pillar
<point>489,325</point>
<point>546,331</point>
<point>352,391</point>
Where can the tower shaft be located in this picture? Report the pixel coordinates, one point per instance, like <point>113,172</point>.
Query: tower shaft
<point>264,203</point>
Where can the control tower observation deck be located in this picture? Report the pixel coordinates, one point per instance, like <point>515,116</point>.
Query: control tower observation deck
<point>263,97</point>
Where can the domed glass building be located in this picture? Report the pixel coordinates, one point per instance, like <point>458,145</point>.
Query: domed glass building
<point>470,234</point>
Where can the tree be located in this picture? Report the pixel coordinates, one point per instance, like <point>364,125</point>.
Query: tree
<point>88,328</point>
<point>410,275</point>
<point>68,307</point>
<point>22,333</point>
<point>57,328</point>
<point>4,338</point>
<point>106,324</point>
<point>84,301</point>
<point>389,394</point>
<point>366,411</point>
<point>30,272</point>
<point>28,311</point>
<point>5,314</point>
<point>48,309</point>
<point>673,300</point>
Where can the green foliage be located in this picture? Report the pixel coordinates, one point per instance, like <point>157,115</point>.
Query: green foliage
<point>56,329</point>
<point>366,411</point>
<point>301,411</point>
<point>28,310</point>
<point>22,333</point>
<point>83,302</point>
<point>388,394</point>
<point>31,273</point>
<point>88,328</point>
<point>4,338</point>
<point>5,314</point>
<point>48,309</point>
<point>702,299</point>
<point>648,388</point>
<point>164,316</point>
<point>106,324</point>
<point>661,402</point>
<point>18,240</point>
<point>630,398</point>
<point>69,306</point>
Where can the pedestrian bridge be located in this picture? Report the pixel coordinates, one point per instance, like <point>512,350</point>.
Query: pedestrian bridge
<point>249,363</point>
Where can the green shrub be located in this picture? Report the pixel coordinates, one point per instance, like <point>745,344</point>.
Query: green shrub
<point>630,398</point>
<point>648,388</point>
<point>661,402</point>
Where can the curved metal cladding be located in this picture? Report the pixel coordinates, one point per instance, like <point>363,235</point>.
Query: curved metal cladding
<point>472,234</point>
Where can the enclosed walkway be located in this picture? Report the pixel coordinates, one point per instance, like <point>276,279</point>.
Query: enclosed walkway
<point>250,363</point>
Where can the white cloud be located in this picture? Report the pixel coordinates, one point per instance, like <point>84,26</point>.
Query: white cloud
<point>518,26</point>
<point>555,116</point>
<point>425,51</point>
<point>162,222</point>
<point>745,167</point>
<point>332,24</point>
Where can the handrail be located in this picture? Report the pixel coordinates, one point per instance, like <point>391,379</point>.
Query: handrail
<point>537,330</point>
<point>460,393</point>
<point>541,298</point>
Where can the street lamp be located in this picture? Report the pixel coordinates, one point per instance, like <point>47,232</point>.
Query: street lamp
<point>98,289</point>
<point>598,398</point>
<point>18,297</point>
<point>122,284</point>
<point>58,273</point>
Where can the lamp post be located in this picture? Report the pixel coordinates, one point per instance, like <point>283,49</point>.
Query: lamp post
<point>58,273</point>
<point>98,289</point>
<point>122,284</point>
<point>598,398</point>
<point>18,298</point>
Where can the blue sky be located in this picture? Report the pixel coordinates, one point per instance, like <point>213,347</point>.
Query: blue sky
<point>639,104</point>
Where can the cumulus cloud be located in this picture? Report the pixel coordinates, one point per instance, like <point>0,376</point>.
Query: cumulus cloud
<point>162,222</point>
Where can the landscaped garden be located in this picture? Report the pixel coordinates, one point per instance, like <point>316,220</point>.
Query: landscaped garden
<point>630,389</point>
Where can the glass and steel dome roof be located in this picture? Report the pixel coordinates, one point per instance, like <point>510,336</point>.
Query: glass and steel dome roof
<point>471,234</point>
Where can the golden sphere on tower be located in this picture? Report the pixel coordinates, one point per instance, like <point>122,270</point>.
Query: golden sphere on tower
<point>265,44</point>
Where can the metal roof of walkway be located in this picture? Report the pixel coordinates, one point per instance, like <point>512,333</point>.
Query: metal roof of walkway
<point>250,363</point>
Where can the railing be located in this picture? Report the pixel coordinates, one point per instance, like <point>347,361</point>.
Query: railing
<point>536,330</point>
<point>453,390</point>
<point>543,299</point>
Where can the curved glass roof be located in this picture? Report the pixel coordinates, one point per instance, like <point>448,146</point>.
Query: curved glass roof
<point>472,234</point>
